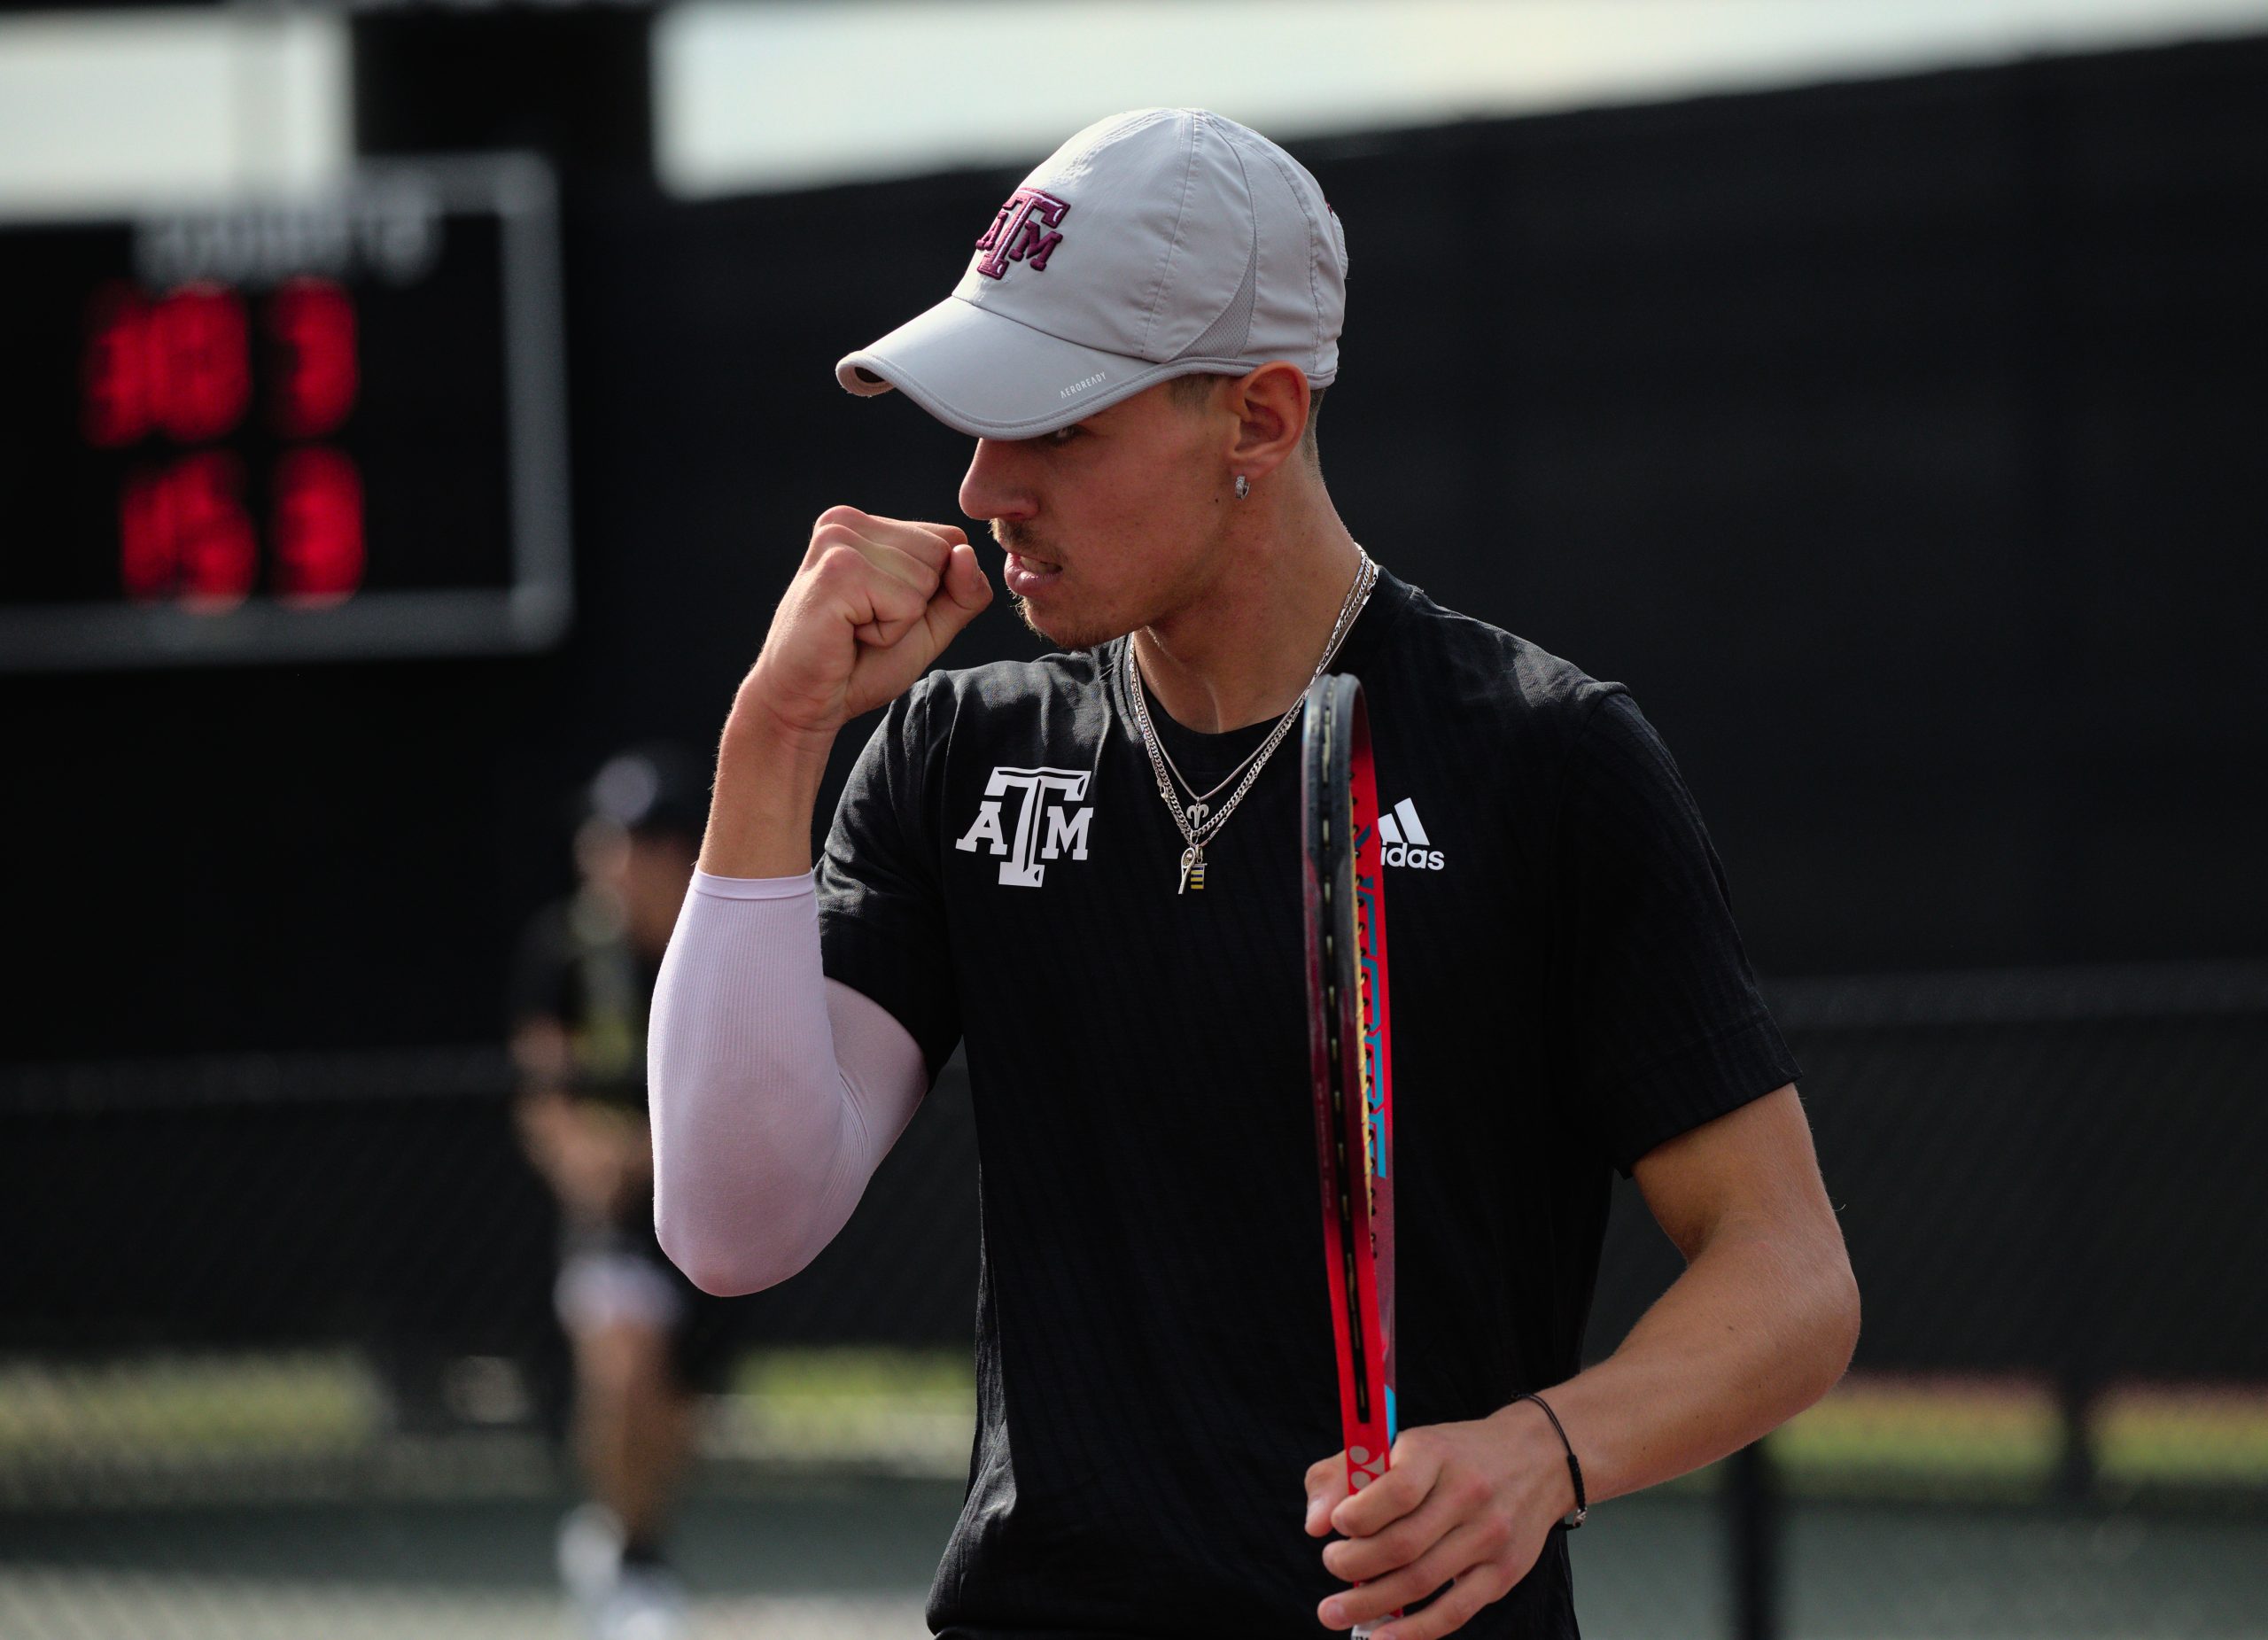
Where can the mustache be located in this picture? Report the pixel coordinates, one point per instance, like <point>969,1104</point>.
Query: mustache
<point>1014,537</point>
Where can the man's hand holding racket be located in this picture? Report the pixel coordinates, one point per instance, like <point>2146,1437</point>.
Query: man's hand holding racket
<point>873,605</point>
<point>1471,1503</point>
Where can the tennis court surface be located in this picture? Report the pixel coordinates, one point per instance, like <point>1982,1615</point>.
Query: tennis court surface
<point>1912,1509</point>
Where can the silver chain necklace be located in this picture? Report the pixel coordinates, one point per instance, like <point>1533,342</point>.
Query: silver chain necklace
<point>1199,822</point>
<point>1197,801</point>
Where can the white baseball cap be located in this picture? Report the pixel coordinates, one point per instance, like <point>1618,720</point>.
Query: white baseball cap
<point>1153,243</point>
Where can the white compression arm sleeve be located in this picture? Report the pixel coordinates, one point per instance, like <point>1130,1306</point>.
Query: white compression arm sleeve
<point>775,1091</point>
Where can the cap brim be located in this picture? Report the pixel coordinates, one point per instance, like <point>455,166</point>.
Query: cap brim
<point>992,377</point>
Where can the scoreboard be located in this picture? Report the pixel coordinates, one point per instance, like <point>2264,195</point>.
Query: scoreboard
<point>321,428</point>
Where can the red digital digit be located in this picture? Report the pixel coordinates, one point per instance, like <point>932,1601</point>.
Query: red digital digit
<point>183,532</point>
<point>318,527</point>
<point>317,375</point>
<point>114,372</point>
<point>218,557</point>
<point>201,365</point>
<point>149,556</point>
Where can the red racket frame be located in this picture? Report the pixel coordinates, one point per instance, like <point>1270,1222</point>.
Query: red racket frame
<point>1352,1067</point>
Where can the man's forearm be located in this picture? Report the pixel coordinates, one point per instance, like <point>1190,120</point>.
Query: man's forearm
<point>768,787</point>
<point>1757,1328</point>
<point>1760,1325</point>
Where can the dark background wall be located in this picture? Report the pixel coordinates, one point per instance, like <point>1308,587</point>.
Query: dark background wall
<point>1897,443</point>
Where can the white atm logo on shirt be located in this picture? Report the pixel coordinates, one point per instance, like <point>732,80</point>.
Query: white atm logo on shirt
<point>1405,839</point>
<point>1046,805</point>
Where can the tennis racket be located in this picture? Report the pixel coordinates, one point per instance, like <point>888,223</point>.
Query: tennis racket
<point>1349,1042</point>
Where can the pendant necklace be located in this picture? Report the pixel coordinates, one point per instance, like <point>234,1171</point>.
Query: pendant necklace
<point>1198,821</point>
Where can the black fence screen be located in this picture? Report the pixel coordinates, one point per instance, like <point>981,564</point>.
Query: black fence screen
<point>263,1283</point>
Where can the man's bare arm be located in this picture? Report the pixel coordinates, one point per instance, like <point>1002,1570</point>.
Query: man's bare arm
<point>1760,1325</point>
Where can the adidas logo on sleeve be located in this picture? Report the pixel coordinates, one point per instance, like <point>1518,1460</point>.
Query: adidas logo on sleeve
<point>1405,839</point>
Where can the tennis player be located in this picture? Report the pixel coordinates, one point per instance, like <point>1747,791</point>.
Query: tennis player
<point>1139,346</point>
<point>646,1345</point>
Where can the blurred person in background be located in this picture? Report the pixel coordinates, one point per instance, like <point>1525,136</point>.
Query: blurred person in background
<point>645,1342</point>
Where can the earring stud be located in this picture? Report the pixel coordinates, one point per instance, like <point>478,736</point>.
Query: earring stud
<point>1244,486</point>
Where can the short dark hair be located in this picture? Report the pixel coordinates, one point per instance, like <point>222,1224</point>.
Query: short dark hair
<point>1193,389</point>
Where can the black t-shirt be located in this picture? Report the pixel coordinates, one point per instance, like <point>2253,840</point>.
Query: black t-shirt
<point>577,968</point>
<point>1154,1355</point>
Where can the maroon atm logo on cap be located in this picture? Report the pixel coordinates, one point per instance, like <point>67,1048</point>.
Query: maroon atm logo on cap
<point>1019,233</point>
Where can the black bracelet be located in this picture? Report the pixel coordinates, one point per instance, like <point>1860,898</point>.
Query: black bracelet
<point>1573,1517</point>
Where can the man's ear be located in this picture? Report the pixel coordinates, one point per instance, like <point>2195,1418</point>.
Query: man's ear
<point>1270,405</point>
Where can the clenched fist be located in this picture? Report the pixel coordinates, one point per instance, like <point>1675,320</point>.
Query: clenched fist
<point>873,604</point>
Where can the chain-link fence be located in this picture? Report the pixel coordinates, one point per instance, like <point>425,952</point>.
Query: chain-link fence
<point>277,1356</point>
<point>2057,1420</point>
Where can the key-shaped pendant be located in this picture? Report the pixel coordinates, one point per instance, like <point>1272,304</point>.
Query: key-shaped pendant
<point>1192,869</point>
